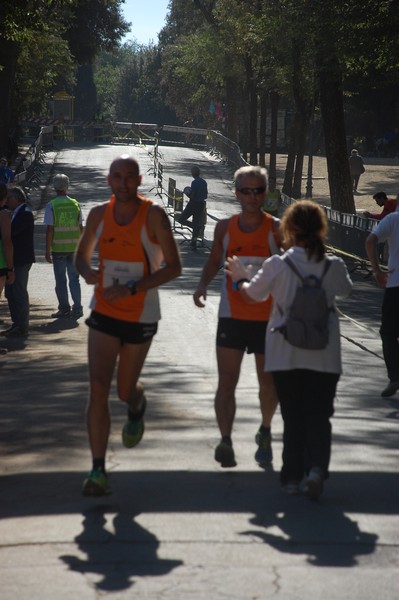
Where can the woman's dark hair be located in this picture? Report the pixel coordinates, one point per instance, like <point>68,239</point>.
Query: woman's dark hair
<point>304,223</point>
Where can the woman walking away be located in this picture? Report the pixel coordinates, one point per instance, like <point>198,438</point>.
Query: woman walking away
<point>305,379</point>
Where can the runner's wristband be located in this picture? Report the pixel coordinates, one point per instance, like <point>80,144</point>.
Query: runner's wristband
<point>132,286</point>
<point>237,283</point>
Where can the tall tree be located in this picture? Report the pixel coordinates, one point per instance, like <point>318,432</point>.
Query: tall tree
<point>94,25</point>
<point>19,23</point>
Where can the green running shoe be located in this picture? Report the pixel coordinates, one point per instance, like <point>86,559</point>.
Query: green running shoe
<point>96,484</point>
<point>264,453</point>
<point>133,431</point>
<point>224,454</point>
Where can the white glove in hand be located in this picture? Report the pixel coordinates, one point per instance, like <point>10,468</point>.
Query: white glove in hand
<point>235,269</point>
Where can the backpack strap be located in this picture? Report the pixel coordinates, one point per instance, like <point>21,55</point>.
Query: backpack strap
<point>293,267</point>
<point>290,263</point>
<point>327,265</point>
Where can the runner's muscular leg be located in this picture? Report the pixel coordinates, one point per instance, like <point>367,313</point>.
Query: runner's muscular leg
<point>267,394</point>
<point>131,361</point>
<point>229,363</point>
<point>103,351</point>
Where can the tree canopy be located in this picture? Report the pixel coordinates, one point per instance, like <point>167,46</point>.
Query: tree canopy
<point>223,64</point>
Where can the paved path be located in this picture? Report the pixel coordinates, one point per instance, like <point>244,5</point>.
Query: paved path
<point>177,526</point>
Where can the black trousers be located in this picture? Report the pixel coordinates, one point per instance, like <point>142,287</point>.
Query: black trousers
<point>196,210</point>
<point>389,332</point>
<point>306,400</point>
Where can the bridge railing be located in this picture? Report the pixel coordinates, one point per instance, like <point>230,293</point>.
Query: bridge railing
<point>347,232</point>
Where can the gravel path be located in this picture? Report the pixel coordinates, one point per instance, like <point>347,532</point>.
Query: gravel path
<point>382,174</point>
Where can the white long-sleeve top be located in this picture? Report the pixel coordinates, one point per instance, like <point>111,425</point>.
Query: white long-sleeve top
<point>276,278</point>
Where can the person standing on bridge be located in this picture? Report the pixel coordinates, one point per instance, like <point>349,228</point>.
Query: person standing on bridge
<point>136,254</point>
<point>253,235</point>
<point>388,230</point>
<point>63,217</point>
<point>196,206</point>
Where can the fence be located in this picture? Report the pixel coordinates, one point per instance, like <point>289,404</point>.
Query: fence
<point>28,173</point>
<point>347,232</point>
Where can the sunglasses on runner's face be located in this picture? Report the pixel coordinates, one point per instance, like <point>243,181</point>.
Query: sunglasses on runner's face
<point>249,191</point>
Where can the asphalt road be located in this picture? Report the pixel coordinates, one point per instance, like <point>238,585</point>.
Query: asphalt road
<point>177,526</point>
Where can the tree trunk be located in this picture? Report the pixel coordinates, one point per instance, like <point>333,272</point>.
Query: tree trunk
<point>293,146</point>
<point>253,111</point>
<point>262,128</point>
<point>332,111</point>
<point>274,103</point>
<point>8,59</point>
<point>300,153</point>
<point>231,109</point>
<point>85,105</point>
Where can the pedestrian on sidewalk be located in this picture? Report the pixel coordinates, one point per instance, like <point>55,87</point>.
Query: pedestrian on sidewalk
<point>356,167</point>
<point>6,248</point>
<point>6,174</point>
<point>22,236</point>
<point>196,206</point>
<point>387,230</point>
<point>253,235</point>
<point>136,254</point>
<point>305,379</point>
<point>63,217</point>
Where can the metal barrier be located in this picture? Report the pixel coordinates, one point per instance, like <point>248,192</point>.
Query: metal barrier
<point>347,234</point>
<point>226,149</point>
<point>28,174</point>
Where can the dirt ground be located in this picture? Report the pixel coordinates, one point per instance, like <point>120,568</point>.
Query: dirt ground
<point>382,174</point>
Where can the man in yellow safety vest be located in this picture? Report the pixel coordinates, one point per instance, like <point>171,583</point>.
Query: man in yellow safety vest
<point>63,217</point>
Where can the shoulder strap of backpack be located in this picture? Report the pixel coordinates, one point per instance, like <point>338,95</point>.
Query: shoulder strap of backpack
<point>290,263</point>
<point>327,265</point>
<point>293,267</point>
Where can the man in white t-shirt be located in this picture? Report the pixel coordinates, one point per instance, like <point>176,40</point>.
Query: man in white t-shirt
<point>388,230</point>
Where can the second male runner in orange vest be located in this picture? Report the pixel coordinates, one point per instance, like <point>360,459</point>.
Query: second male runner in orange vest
<point>252,235</point>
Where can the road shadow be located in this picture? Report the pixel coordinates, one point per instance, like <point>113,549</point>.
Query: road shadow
<point>118,548</point>
<point>116,556</point>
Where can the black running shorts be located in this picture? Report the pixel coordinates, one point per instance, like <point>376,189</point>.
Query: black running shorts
<point>127,332</point>
<point>243,335</point>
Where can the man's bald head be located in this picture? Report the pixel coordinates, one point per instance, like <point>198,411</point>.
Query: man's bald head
<point>124,160</point>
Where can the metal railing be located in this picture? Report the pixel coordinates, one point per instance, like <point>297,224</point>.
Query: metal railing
<point>347,232</point>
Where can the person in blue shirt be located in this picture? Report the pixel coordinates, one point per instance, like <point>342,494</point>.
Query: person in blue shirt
<point>6,174</point>
<point>196,206</point>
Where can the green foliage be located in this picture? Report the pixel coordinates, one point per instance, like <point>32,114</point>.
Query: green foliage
<point>19,18</point>
<point>95,25</point>
<point>44,62</point>
<point>128,85</point>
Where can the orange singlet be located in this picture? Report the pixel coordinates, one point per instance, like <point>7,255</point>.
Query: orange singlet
<point>253,248</point>
<point>125,253</point>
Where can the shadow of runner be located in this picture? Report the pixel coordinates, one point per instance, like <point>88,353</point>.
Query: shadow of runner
<point>326,536</point>
<point>117,557</point>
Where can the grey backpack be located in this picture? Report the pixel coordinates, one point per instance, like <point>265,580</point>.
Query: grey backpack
<point>306,325</point>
